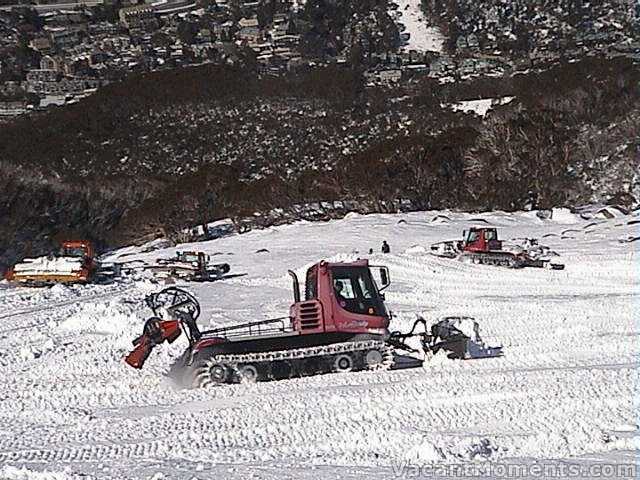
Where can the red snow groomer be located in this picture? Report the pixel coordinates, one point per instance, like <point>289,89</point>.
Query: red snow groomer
<point>341,325</point>
<point>481,245</point>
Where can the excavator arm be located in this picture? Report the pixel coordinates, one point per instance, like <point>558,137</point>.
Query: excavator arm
<point>181,308</point>
<point>155,332</point>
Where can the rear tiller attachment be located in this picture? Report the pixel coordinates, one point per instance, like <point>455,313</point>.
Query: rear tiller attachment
<point>460,336</point>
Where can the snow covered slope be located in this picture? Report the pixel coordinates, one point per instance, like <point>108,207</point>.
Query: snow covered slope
<point>562,394</point>
<point>422,36</point>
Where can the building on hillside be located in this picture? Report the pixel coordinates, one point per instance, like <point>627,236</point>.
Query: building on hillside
<point>390,76</point>
<point>64,37</point>
<point>137,16</point>
<point>12,108</point>
<point>41,44</point>
<point>49,63</point>
<point>39,75</point>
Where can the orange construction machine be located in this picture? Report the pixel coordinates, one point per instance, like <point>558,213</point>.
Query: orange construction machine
<point>75,262</point>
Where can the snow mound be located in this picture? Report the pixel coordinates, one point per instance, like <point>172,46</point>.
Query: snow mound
<point>602,212</point>
<point>479,220</point>
<point>112,318</point>
<point>610,212</point>
<point>440,219</point>
<point>564,215</point>
<point>425,452</point>
<point>416,249</point>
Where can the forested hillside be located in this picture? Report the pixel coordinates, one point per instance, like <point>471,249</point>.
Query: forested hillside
<point>144,156</point>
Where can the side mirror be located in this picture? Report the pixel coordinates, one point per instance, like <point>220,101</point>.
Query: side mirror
<point>464,234</point>
<point>384,277</point>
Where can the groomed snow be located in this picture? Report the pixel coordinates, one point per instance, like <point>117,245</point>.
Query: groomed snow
<point>562,394</point>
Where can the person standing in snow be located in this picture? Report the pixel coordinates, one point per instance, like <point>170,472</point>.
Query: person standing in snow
<point>385,247</point>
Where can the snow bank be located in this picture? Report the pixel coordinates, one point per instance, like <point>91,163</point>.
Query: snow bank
<point>609,212</point>
<point>601,212</point>
<point>564,215</point>
<point>440,219</point>
<point>113,318</point>
<point>416,250</point>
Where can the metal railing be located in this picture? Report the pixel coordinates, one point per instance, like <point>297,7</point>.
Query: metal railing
<point>262,327</point>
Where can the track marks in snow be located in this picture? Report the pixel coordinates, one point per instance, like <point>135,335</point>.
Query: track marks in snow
<point>563,387</point>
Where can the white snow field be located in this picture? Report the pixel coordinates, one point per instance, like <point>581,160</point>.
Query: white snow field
<point>561,397</point>
<point>422,36</point>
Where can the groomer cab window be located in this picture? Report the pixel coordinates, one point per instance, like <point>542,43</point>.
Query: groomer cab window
<point>355,290</point>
